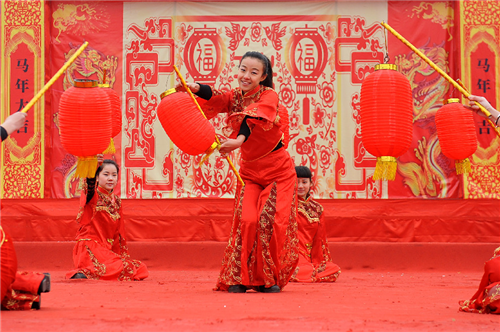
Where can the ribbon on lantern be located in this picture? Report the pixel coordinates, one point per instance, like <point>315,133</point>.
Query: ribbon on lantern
<point>457,138</point>
<point>85,124</point>
<point>386,113</point>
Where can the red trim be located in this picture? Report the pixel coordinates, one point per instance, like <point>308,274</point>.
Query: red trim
<point>206,219</point>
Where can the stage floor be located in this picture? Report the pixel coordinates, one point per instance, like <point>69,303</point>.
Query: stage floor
<point>377,300</point>
<point>383,287</point>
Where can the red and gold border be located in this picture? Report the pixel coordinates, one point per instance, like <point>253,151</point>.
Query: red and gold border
<point>480,40</point>
<point>22,47</point>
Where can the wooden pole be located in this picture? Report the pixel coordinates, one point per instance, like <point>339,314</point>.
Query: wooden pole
<point>54,78</point>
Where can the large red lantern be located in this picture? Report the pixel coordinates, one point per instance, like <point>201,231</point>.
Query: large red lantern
<point>457,133</point>
<point>386,112</point>
<point>116,115</point>
<point>85,124</point>
<point>185,124</point>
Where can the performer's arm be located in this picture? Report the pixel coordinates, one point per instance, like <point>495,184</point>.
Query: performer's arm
<point>91,182</point>
<point>3,133</point>
<point>90,188</point>
<point>204,91</point>
<point>495,115</point>
<point>12,123</point>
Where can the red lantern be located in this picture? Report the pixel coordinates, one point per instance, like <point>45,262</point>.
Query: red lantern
<point>457,133</point>
<point>85,124</point>
<point>183,122</point>
<point>116,115</point>
<point>386,111</point>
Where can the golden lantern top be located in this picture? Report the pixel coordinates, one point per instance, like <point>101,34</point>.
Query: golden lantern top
<point>451,100</point>
<point>168,92</point>
<point>390,66</point>
<point>85,83</point>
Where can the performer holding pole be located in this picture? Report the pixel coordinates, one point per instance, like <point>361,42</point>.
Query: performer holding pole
<point>263,247</point>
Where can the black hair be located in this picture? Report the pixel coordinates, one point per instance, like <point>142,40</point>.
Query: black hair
<point>267,66</point>
<point>108,162</point>
<point>303,172</point>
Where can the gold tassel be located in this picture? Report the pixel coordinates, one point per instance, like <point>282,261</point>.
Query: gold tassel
<point>86,167</point>
<point>386,168</point>
<point>111,147</point>
<point>462,166</point>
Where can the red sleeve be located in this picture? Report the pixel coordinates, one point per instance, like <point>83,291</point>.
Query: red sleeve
<point>318,254</point>
<point>84,215</point>
<point>262,113</point>
<point>219,103</point>
<point>266,108</point>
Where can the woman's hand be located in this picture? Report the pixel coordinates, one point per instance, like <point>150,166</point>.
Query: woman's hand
<point>14,122</point>
<point>100,159</point>
<point>484,102</point>
<point>194,87</point>
<point>231,144</point>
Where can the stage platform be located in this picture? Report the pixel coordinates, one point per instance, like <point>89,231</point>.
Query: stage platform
<point>364,256</point>
<point>206,219</point>
<point>425,235</point>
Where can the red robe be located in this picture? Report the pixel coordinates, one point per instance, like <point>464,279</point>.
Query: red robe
<point>487,298</point>
<point>19,289</point>
<point>263,244</point>
<point>315,262</point>
<point>101,250</point>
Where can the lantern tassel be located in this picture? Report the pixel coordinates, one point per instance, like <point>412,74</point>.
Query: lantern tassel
<point>462,166</point>
<point>86,167</point>
<point>385,169</point>
<point>111,147</point>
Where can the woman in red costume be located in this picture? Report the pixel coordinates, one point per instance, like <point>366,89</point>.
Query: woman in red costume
<point>262,251</point>
<point>101,250</point>
<point>19,290</point>
<point>487,298</point>
<point>315,262</point>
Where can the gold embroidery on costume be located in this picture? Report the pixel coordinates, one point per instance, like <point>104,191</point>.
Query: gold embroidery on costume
<point>106,204</point>
<point>99,268</point>
<point>231,262</point>
<point>310,209</point>
<point>266,223</point>
<point>238,110</point>
<point>290,248</point>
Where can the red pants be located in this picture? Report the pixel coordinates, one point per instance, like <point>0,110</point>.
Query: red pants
<point>263,245</point>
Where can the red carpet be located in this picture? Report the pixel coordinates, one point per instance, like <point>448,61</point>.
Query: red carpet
<point>183,301</point>
<point>402,270</point>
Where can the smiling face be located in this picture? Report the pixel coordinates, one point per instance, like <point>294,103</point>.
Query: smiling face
<point>303,187</point>
<point>250,73</point>
<point>108,177</point>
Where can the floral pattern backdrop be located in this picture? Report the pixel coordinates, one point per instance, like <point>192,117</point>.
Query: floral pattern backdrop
<point>321,52</point>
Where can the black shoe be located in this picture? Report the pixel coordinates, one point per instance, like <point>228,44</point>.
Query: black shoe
<point>36,305</point>
<point>237,289</point>
<point>79,275</point>
<point>272,289</point>
<point>44,284</point>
